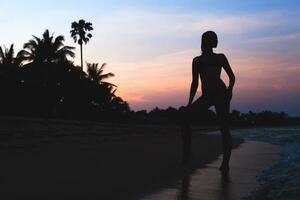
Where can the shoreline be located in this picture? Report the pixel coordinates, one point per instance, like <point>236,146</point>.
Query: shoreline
<point>248,160</point>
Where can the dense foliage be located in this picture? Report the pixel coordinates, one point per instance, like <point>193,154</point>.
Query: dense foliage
<point>41,81</point>
<point>172,116</point>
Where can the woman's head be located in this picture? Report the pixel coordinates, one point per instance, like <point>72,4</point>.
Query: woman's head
<point>209,41</point>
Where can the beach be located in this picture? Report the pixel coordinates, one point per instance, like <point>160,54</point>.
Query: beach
<point>207,183</point>
<point>56,159</point>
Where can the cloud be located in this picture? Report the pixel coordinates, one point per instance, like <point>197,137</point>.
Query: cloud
<point>136,99</point>
<point>130,35</point>
<point>170,23</point>
<point>276,38</point>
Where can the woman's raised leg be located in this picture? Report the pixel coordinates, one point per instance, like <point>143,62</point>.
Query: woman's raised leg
<point>186,115</point>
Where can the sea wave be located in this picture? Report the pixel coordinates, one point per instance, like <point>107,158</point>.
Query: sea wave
<point>282,180</point>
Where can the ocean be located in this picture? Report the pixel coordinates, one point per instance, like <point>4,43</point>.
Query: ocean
<point>282,180</point>
<point>278,182</point>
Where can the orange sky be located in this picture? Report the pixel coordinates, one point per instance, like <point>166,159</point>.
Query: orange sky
<point>165,81</point>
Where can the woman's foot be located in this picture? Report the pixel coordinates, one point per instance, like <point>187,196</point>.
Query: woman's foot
<point>224,168</point>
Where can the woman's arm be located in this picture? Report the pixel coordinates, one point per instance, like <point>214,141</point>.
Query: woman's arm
<point>228,71</point>
<point>230,74</point>
<point>194,85</point>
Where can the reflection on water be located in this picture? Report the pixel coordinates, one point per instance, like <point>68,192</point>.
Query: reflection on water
<point>188,191</point>
<point>225,187</point>
<point>184,192</point>
<point>207,183</point>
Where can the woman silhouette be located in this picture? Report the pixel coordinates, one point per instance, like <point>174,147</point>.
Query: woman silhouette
<point>214,93</point>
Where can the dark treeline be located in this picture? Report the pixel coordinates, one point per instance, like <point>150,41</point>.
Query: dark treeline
<point>41,81</point>
<point>171,116</point>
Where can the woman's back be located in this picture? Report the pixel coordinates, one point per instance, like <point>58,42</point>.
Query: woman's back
<point>209,67</point>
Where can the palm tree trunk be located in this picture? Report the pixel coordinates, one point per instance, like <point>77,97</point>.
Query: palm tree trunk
<point>81,57</point>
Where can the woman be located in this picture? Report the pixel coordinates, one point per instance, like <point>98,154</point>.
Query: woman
<point>214,93</point>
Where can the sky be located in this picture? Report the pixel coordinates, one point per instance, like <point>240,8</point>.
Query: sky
<point>149,45</point>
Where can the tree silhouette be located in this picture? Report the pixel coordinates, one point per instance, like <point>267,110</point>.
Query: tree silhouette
<point>7,55</point>
<point>50,85</point>
<point>8,62</point>
<point>46,49</point>
<point>104,92</point>
<point>119,105</point>
<point>110,101</point>
<point>9,78</point>
<point>108,93</point>
<point>79,33</point>
<point>95,74</point>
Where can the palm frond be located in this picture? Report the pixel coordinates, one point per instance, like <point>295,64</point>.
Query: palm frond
<point>102,66</point>
<point>11,52</point>
<point>106,76</point>
<point>107,83</point>
<point>1,55</point>
<point>59,42</point>
<point>46,35</point>
<point>7,55</point>
<point>24,55</point>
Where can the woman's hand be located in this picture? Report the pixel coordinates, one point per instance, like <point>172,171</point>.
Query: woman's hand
<point>229,93</point>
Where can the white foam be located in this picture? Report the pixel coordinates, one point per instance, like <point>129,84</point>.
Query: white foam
<point>281,181</point>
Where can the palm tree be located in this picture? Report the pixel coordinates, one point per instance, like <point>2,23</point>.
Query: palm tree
<point>119,105</point>
<point>46,49</point>
<point>95,74</point>
<point>110,101</point>
<point>79,33</point>
<point>7,55</point>
<point>107,93</point>
<point>8,62</point>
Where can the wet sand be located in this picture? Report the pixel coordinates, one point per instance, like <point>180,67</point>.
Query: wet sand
<point>53,159</point>
<point>208,183</point>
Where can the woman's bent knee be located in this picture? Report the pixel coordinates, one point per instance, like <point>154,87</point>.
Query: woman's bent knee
<point>225,130</point>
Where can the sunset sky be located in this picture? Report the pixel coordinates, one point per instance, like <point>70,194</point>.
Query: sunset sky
<point>149,45</point>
